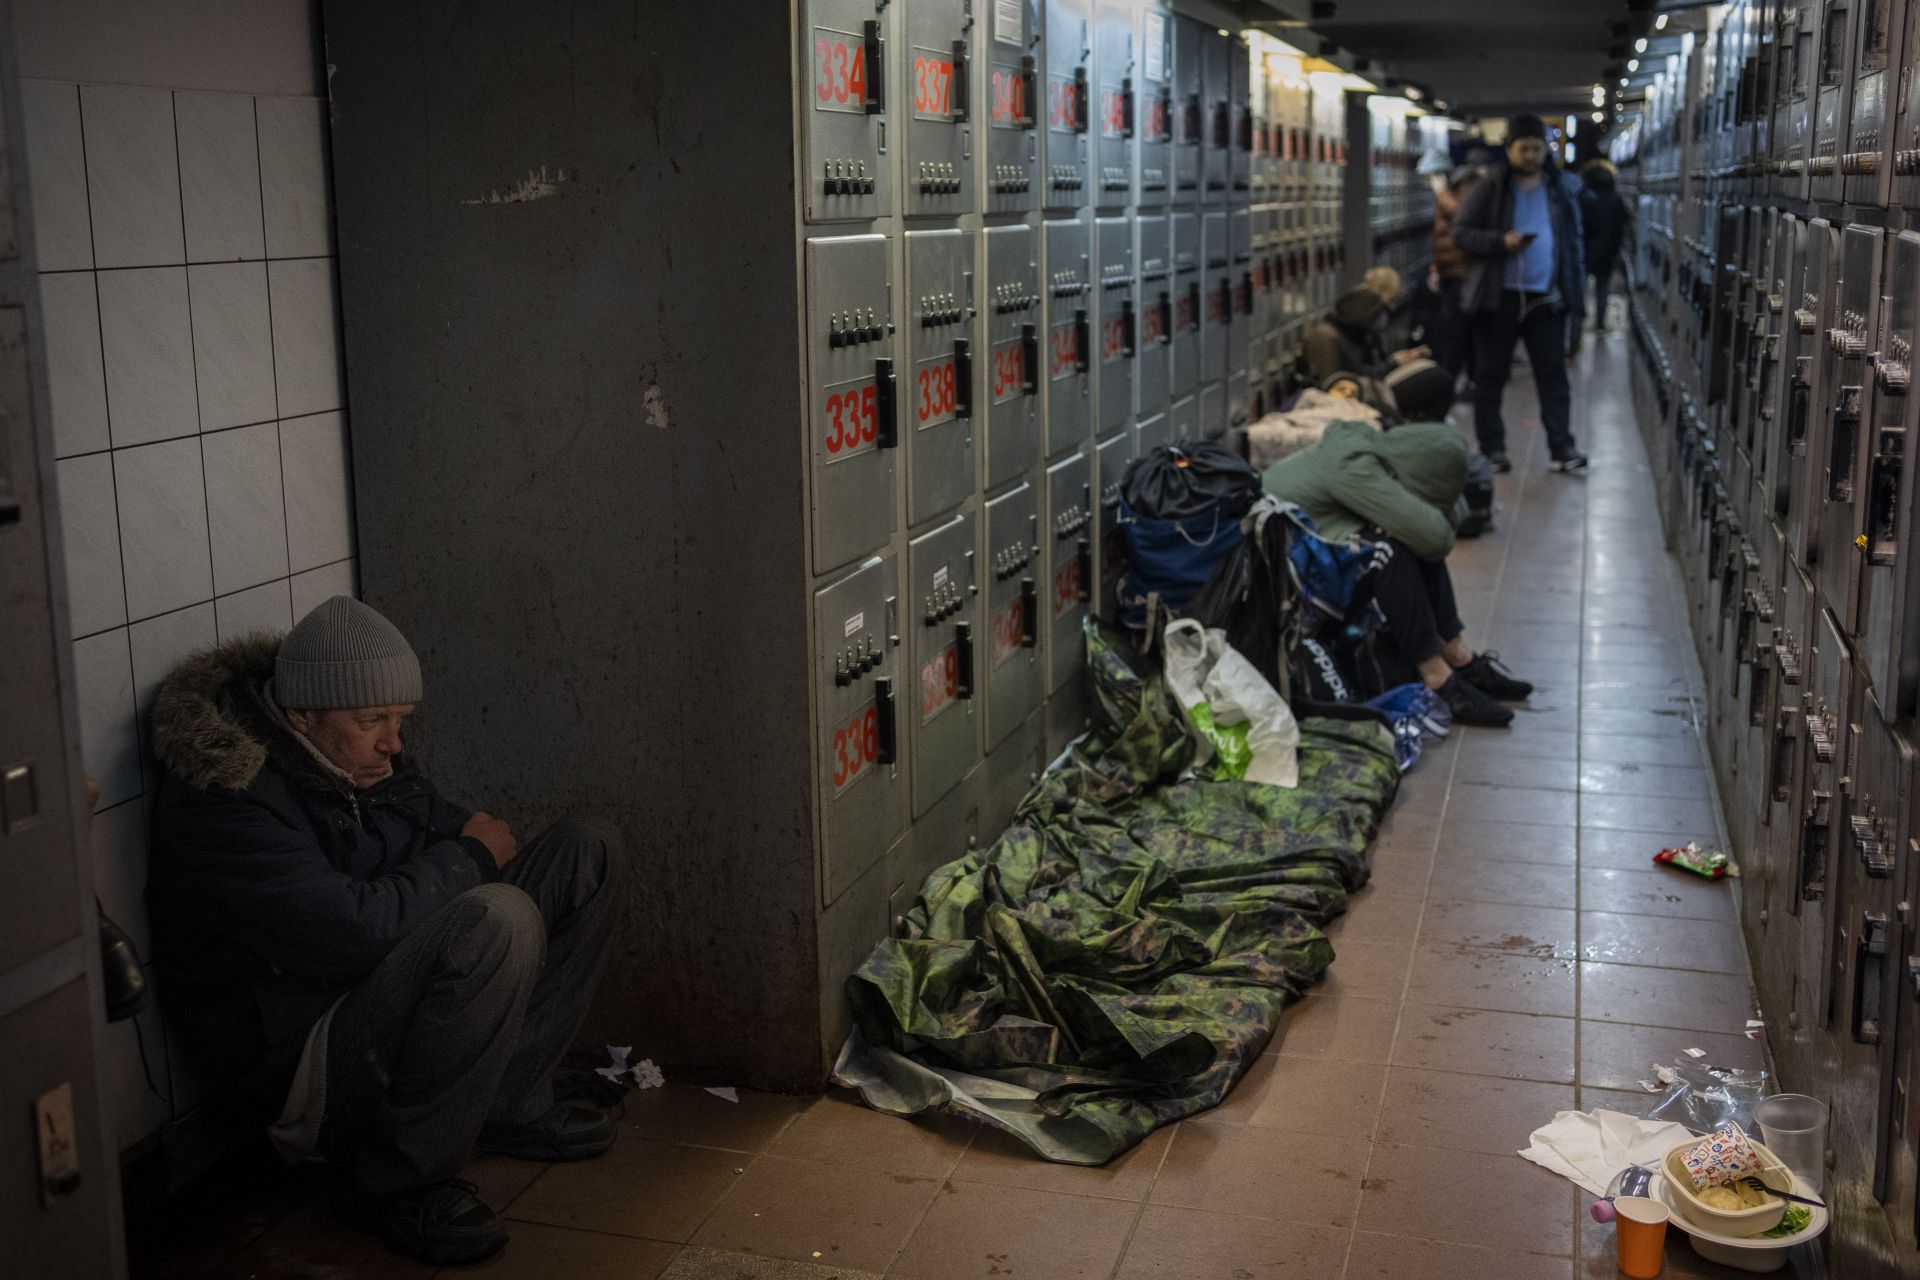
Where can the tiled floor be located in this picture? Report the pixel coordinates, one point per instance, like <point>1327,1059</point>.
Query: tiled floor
<point>1517,954</point>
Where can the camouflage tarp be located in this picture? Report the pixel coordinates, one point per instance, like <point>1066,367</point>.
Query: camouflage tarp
<point>1121,955</point>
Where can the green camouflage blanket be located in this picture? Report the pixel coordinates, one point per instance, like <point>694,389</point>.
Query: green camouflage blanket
<point>1122,953</point>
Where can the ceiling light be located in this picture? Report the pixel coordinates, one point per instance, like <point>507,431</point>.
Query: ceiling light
<point>1640,45</point>
<point>1623,82</point>
<point>1660,23</point>
<point>1633,64</point>
<point>1599,117</point>
<point>1414,93</point>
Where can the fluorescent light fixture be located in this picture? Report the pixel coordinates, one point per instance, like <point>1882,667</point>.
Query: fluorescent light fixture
<point>1633,64</point>
<point>1599,117</point>
<point>1623,82</point>
<point>1640,45</point>
<point>1660,23</point>
<point>1414,93</point>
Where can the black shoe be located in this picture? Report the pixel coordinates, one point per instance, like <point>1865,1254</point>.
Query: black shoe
<point>445,1225</point>
<point>1487,675</point>
<point>1573,464</point>
<point>1498,460</point>
<point>569,1131</point>
<point>1470,706</point>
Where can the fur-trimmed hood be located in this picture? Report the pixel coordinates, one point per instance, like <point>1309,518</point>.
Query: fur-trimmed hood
<point>213,727</point>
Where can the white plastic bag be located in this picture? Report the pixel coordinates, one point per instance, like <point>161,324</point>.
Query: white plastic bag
<point>1232,709</point>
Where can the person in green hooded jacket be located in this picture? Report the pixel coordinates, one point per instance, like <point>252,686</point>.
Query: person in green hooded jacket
<point>1401,487</point>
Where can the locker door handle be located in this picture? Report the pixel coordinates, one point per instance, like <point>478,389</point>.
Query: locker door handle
<point>1166,115</point>
<point>1029,359</point>
<point>1222,126</point>
<point>1083,561</point>
<point>1030,89</point>
<point>1246,293</point>
<point>885,386</point>
<point>962,378</point>
<point>1190,120</point>
<point>1080,103</point>
<point>1869,973</point>
<point>1128,335</point>
<point>1813,848</point>
<point>1126,107</point>
<point>1883,497</point>
<point>961,71</point>
<point>886,746</point>
<point>963,652</point>
<point>1193,302</point>
<point>1843,445</point>
<point>1082,341</point>
<point>876,52</point>
<point>1029,614</point>
<point>1798,406</point>
<point>1166,317</point>
<point>1245,138</point>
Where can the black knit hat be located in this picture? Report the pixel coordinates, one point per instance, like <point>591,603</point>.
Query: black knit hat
<point>1526,126</point>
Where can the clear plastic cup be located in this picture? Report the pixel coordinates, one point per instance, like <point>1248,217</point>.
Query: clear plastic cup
<point>1794,1127</point>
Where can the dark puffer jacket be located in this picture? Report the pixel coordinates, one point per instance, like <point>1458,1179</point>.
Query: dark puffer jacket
<point>273,884</point>
<point>1603,213</point>
<point>1480,229</point>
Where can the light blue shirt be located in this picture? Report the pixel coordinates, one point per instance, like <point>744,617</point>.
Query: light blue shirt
<point>1532,268</point>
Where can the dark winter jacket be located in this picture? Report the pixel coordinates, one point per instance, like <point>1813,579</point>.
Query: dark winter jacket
<point>1447,258</point>
<point>273,884</point>
<point>1480,230</point>
<point>1604,213</point>
<point>1348,341</point>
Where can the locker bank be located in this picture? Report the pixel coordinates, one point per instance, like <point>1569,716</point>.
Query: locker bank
<point>733,406</point>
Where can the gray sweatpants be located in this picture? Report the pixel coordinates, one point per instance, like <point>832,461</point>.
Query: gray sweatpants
<point>463,1022</point>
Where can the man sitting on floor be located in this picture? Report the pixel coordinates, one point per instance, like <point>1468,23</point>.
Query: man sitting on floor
<point>1348,343</point>
<point>1401,487</point>
<point>389,973</point>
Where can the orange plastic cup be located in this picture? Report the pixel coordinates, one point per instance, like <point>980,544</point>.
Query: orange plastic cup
<point>1640,1234</point>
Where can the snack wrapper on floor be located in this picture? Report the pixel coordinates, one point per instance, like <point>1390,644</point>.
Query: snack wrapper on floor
<point>1721,1157</point>
<point>1710,863</point>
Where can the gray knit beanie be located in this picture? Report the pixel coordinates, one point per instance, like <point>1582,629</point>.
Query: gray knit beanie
<point>344,654</point>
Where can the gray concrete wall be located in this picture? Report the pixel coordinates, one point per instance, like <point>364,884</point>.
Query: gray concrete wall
<point>573,362</point>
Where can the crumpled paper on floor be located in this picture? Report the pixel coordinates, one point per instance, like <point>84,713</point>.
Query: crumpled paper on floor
<point>1589,1147</point>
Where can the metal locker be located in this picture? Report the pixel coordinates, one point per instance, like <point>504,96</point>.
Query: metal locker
<point>1833,96</point>
<point>1775,452</point>
<point>1114,100</point>
<point>1239,398</point>
<point>1889,585</point>
<point>1111,457</point>
<point>1153,309</point>
<point>1240,312</point>
<point>941,387</point>
<point>1240,112</point>
<point>1849,401</point>
<point>1866,159</point>
<point>1188,306</point>
<point>1824,744</point>
<point>1902,1200</point>
<point>1013,612</point>
<point>1153,108</point>
<point>1069,46</point>
<point>1776,965</point>
<point>852,420</point>
<point>1216,282</point>
<point>1013,329</point>
<point>849,173</point>
<point>858,689</point>
<point>1872,951</point>
<point>1190,111</point>
<point>1266,296</point>
<point>1184,418</point>
<point>1151,433</point>
<point>1763,366</point>
<point>1213,410</point>
<point>1069,353</point>
<point>1217,94</point>
<point>1068,565</point>
<point>942,619</point>
<point>936,97</point>
<point>1011,49</point>
<point>1903,124</point>
<point>1805,369</point>
<point>1119,337</point>
<point>1796,69</point>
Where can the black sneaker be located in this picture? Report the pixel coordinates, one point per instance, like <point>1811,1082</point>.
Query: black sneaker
<point>1498,460</point>
<point>445,1225</point>
<point>1470,706</point>
<point>1486,674</point>
<point>1572,465</point>
<point>569,1131</point>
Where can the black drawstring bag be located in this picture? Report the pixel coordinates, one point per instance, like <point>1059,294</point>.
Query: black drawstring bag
<point>1192,478</point>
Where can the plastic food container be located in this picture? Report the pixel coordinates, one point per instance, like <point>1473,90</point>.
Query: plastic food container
<point>1752,1253</point>
<point>1728,1222</point>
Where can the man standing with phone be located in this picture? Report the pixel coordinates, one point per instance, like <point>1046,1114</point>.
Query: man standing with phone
<point>1521,238</point>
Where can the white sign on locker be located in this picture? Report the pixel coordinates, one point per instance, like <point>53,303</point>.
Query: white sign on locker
<point>1006,21</point>
<point>1155,40</point>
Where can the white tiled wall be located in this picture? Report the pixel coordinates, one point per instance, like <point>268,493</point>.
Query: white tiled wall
<point>185,246</point>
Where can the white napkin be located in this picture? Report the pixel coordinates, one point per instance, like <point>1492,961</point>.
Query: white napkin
<point>1589,1147</point>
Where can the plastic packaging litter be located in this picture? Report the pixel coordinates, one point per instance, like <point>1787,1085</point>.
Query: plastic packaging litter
<point>1705,1098</point>
<point>1634,1180</point>
<point>1244,726</point>
<point>1711,863</point>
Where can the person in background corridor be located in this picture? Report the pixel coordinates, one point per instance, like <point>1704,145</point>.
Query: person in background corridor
<point>1453,343</point>
<point>1606,217</point>
<point>392,975</point>
<point>1520,234</point>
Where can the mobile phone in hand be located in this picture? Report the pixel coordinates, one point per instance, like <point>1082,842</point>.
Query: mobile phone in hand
<point>1528,237</point>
